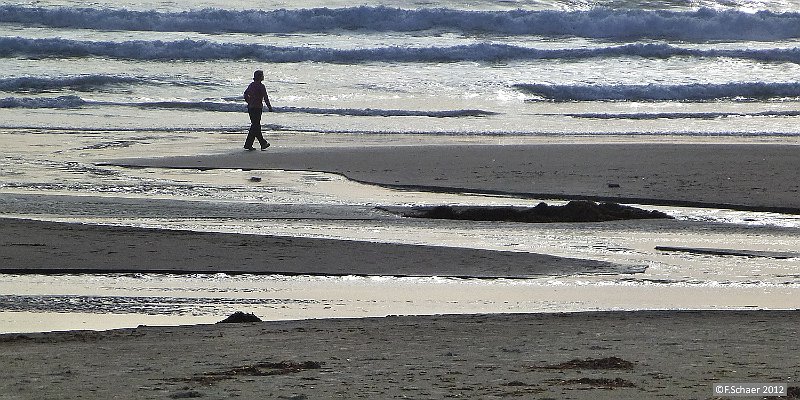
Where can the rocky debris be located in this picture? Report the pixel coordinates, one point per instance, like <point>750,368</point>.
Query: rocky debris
<point>186,395</point>
<point>574,211</point>
<point>240,317</point>
<point>731,252</point>
<point>592,363</point>
<point>604,383</point>
<point>259,369</point>
<point>273,368</point>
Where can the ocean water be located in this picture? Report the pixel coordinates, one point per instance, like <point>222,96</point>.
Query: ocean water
<point>83,82</point>
<point>454,67</point>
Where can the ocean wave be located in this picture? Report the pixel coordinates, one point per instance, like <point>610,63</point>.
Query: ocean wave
<point>42,102</point>
<point>653,92</point>
<point>701,25</point>
<point>76,101</point>
<point>489,52</point>
<point>79,83</point>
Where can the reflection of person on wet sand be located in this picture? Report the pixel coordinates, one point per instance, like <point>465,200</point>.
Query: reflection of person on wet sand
<point>255,95</point>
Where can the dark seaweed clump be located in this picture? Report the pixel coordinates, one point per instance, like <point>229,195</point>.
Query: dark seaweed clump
<point>240,317</point>
<point>574,211</point>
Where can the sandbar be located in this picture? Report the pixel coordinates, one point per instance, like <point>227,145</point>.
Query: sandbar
<point>742,176</point>
<point>52,247</point>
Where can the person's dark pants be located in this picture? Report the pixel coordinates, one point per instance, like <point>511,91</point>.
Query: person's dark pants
<point>255,128</point>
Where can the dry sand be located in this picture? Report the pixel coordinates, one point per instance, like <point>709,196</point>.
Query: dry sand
<point>740,176</point>
<point>649,355</point>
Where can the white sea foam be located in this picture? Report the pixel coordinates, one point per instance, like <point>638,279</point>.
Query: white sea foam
<point>42,102</point>
<point>372,112</point>
<point>357,112</point>
<point>77,101</point>
<point>701,25</point>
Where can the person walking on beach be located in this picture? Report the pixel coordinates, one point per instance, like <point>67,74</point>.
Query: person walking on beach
<point>255,96</point>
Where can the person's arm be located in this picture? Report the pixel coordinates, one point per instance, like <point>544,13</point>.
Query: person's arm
<point>269,106</point>
<point>266,100</point>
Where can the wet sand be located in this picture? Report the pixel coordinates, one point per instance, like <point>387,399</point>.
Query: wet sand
<point>615,355</point>
<point>666,354</point>
<point>50,247</point>
<point>753,177</point>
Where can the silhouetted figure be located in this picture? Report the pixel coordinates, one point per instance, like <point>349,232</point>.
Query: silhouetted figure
<point>256,96</point>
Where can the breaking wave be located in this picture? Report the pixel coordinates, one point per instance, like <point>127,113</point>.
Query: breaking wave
<point>42,102</point>
<point>204,50</point>
<point>701,25</point>
<point>692,92</point>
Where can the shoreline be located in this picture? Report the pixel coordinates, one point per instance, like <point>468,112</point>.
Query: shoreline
<point>669,354</point>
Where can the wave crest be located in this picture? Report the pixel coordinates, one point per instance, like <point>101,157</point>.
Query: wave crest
<point>702,25</point>
<point>42,102</point>
<point>692,92</point>
<point>204,50</point>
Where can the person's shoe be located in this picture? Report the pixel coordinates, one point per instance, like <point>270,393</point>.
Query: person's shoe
<point>249,148</point>
<point>264,146</point>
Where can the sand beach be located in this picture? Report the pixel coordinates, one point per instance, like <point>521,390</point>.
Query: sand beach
<point>609,355</point>
<point>585,355</point>
<point>423,224</point>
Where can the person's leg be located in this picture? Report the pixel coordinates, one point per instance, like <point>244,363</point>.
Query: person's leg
<point>255,127</point>
<point>258,134</point>
<point>263,142</point>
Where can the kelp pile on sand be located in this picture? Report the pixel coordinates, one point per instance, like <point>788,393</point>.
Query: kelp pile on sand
<point>574,211</point>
